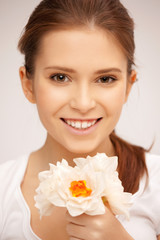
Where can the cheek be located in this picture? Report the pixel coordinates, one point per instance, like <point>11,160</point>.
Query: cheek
<point>50,99</point>
<point>113,100</point>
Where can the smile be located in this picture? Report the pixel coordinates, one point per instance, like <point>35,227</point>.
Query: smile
<point>81,124</point>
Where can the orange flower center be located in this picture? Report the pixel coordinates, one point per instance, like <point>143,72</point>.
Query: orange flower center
<point>79,189</point>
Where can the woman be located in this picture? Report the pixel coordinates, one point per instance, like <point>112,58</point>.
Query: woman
<point>79,71</point>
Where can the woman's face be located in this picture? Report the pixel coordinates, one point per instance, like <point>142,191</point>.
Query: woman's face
<point>80,85</point>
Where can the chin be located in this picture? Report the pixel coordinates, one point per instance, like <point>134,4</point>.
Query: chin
<point>82,150</point>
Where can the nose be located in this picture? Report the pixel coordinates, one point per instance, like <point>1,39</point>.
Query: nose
<point>83,99</point>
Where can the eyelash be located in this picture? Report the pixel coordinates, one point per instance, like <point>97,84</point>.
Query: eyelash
<point>110,79</point>
<point>52,77</point>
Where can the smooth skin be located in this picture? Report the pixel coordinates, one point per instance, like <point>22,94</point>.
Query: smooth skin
<point>84,58</point>
<point>80,74</point>
<point>100,227</point>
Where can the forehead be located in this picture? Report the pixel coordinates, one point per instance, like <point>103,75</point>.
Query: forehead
<point>74,47</point>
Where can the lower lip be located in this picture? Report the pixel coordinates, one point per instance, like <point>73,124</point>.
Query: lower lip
<point>81,132</point>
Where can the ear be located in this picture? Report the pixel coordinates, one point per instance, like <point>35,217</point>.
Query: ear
<point>27,85</point>
<point>131,80</point>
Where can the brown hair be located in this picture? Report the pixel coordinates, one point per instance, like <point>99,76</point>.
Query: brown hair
<point>109,15</point>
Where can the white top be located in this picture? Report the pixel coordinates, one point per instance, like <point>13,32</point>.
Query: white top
<point>15,215</point>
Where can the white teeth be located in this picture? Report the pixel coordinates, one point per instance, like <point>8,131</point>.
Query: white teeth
<point>69,122</point>
<point>84,125</point>
<point>89,124</point>
<point>72,124</point>
<point>80,124</point>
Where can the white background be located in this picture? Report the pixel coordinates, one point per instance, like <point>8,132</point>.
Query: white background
<point>20,129</point>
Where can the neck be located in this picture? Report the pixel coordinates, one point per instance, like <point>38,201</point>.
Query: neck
<point>52,152</point>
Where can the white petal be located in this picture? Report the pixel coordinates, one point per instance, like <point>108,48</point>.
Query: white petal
<point>80,162</point>
<point>44,206</point>
<point>97,208</point>
<point>74,211</point>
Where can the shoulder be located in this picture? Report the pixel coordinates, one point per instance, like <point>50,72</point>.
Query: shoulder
<point>12,171</point>
<point>152,193</point>
<point>12,166</point>
<point>151,158</point>
<point>153,165</point>
<point>11,175</point>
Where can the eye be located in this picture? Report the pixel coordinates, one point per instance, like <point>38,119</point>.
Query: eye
<point>61,78</point>
<point>107,79</point>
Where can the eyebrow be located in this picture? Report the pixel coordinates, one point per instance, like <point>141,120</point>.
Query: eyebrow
<point>70,70</point>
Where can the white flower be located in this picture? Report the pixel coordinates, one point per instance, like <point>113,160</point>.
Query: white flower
<point>59,185</point>
<point>114,194</point>
<point>81,188</point>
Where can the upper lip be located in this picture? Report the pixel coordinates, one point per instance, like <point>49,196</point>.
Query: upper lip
<point>81,119</point>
